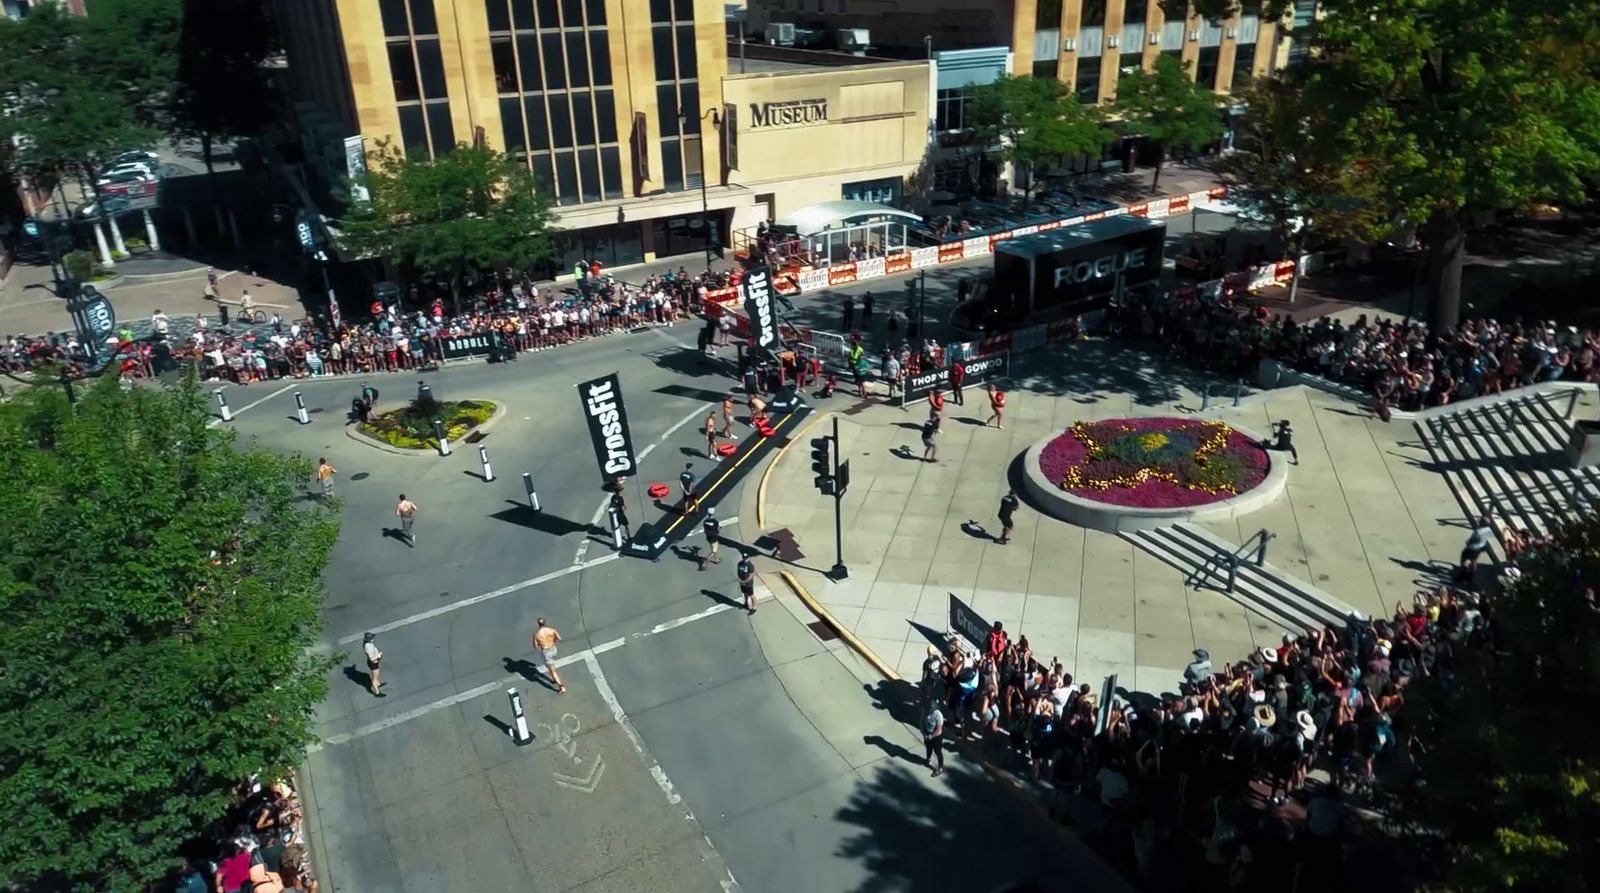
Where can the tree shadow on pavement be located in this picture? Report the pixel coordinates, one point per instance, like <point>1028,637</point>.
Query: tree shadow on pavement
<point>1093,368</point>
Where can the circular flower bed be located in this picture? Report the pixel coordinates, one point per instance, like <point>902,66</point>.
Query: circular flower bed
<point>1154,462</point>
<point>411,427</point>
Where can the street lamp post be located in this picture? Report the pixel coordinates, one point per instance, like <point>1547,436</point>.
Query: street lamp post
<point>705,200</point>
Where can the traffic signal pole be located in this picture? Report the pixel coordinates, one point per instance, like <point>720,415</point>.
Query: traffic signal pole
<point>839,571</point>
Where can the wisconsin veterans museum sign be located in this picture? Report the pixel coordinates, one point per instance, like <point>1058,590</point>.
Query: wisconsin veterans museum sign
<point>784,114</point>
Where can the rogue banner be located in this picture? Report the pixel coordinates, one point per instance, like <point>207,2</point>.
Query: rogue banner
<point>608,426</point>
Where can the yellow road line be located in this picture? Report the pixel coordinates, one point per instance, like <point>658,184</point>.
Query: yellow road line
<point>849,637</point>
<point>700,497</point>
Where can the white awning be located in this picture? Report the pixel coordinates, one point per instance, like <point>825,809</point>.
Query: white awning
<point>824,216</point>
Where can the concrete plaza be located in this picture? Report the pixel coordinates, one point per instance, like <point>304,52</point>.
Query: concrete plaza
<point>1366,519</point>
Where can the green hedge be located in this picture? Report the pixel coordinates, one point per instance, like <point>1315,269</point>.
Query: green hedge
<point>411,428</point>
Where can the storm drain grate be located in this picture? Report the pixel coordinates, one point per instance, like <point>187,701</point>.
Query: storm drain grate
<point>822,630</point>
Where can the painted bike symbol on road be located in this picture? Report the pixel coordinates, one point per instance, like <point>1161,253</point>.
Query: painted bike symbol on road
<point>563,733</point>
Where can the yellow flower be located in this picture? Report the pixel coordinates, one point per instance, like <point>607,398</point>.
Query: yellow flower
<point>1155,440</point>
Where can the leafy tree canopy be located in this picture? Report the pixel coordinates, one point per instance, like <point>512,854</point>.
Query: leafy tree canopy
<point>1167,107</point>
<point>159,586</point>
<point>1034,122</point>
<point>471,208</point>
<point>1509,746</point>
<point>1455,108</point>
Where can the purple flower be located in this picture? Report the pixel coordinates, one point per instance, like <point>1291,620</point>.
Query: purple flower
<point>1212,462</point>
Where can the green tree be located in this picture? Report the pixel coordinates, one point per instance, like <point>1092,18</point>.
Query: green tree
<point>1509,747</point>
<point>221,89</point>
<point>471,209</point>
<point>1454,111</point>
<point>1168,108</point>
<point>1034,123</point>
<point>159,589</point>
<point>1303,198</point>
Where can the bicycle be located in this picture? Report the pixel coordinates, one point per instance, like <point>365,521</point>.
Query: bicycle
<point>251,315</point>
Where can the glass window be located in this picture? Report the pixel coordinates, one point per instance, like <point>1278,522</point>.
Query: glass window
<point>660,10</point>
<point>403,68</point>
<point>689,102</point>
<point>683,10</point>
<point>572,13</point>
<point>605,115</point>
<point>528,59</point>
<point>667,108</point>
<point>597,13</point>
<point>560,121</point>
<point>439,124</point>
<point>1133,61</point>
<point>555,72</point>
<point>661,38</point>
<point>1088,81</point>
<point>582,118</point>
<point>511,125</point>
<point>577,63</point>
<point>566,177</point>
<point>544,173</point>
<point>686,54</point>
<point>1093,15</point>
<point>522,14</point>
<point>499,15</point>
<point>1047,15</point>
<point>431,65</point>
<point>548,17</point>
<point>1244,59</point>
<point>538,132</point>
<point>422,18</point>
<point>600,57</point>
<point>1134,12</point>
<point>629,241</point>
<point>505,65</point>
<point>1205,70</point>
<point>1045,69</point>
<point>589,174</point>
<point>693,161</point>
<point>611,171</point>
<point>393,13</point>
<point>412,132</point>
<point>672,165</point>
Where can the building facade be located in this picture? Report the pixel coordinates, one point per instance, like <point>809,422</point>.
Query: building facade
<point>625,110</point>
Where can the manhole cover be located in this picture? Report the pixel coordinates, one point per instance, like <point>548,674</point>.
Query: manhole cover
<point>360,476</point>
<point>822,630</point>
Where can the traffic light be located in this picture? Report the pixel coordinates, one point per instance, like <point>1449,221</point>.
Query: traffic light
<point>822,464</point>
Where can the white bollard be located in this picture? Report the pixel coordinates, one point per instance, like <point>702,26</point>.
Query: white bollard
<point>300,408</point>
<point>444,442</point>
<point>483,456</point>
<point>533,495</point>
<point>519,719</point>
<point>616,531</point>
<point>222,407</point>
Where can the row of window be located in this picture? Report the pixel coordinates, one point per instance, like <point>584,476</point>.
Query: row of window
<point>426,126</point>
<point>397,23</point>
<point>545,15</point>
<point>538,122</point>
<point>671,10</point>
<point>576,176</point>
<point>535,61</point>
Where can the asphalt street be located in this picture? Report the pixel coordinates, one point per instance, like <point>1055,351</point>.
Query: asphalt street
<point>695,749</point>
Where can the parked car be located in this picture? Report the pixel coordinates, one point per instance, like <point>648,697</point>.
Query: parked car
<point>115,204</point>
<point>132,186</point>
<point>144,156</point>
<point>128,167</point>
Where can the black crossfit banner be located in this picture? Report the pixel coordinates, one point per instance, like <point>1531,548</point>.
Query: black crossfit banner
<point>755,292</point>
<point>608,427</point>
<point>978,369</point>
<point>969,623</point>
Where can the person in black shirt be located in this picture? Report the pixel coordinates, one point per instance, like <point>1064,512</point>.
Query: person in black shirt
<point>866,310</point>
<point>849,312</point>
<point>1008,509</point>
<point>713,529</point>
<point>686,480</point>
<point>619,515</point>
<point>747,583</point>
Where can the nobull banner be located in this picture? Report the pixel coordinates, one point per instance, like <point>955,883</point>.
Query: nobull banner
<point>608,427</point>
<point>755,291</point>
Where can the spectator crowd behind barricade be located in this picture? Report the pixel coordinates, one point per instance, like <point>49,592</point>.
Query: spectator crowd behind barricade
<point>1400,364</point>
<point>516,317</point>
<point>258,847</point>
<point>1225,761</point>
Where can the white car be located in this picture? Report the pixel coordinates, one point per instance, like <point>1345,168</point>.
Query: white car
<point>144,156</point>
<point>128,167</point>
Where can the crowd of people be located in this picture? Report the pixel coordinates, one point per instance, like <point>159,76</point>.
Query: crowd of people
<point>1400,364</point>
<point>262,851</point>
<point>1226,762</point>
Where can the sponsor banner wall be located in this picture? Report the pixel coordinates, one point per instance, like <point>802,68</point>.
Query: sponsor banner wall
<point>897,263</point>
<point>813,280</point>
<point>1140,210</point>
<point>1261,276</point>
<point>922,258</point>
<point>871,268</point>
<point>1178,204</point>
<point>1046,227</point>
<point>466,346</point>
<point>608,426</point>
<point>975,247</point>
<point>1283,271</point>
<point>727,295</point>
<point>995,343</point>
<point>1030,338</point>
<point>1158,209</point>
<point>950,253</point>
<point>840,274</point>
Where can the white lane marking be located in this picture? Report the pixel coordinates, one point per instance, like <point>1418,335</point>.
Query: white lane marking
<point>478,599</point>
<point>600,510</point>
<point>588,656</point>
<point>249,406</point>
<point>603,688</point>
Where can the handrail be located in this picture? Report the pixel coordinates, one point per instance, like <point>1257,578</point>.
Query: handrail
<point>1220,559</point>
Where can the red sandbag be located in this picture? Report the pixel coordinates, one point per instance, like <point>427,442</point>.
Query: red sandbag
<point>727,449</point>
<point>768,431</point>
<point>658,491</point>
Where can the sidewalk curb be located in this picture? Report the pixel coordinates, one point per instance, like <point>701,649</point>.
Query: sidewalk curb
<point>353,431</point>
<point>761,488</point>
<point>840,629</point>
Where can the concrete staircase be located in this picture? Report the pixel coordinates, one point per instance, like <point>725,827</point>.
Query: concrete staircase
<point>1508,460</point>
<point>1277,596</point>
